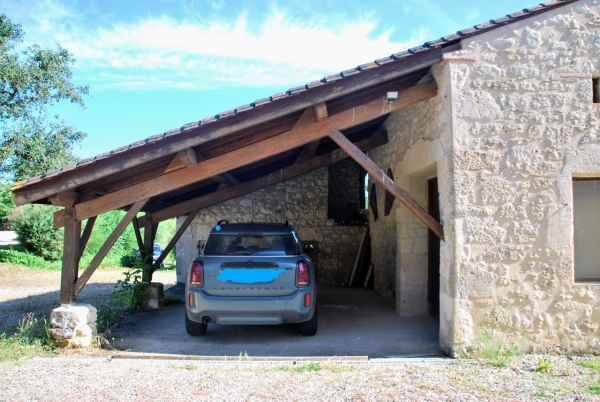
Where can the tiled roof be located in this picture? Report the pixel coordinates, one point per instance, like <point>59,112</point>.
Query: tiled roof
<point>444,41</point>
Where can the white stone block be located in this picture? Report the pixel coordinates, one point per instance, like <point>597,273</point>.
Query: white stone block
<point>73,325</point>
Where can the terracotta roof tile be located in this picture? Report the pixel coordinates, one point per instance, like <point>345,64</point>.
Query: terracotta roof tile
<point>227,113</point>
<point>190,126</point>
<point>208,120</point>
<point>279,95</point>
<point>348,73</point>
<point>402,55</point>
<point>120,149</point>
<point>502,20</point>
<point>436,43</point>
<point>243,108</point>
<point>315,84</point>
<point>297,90</point>
<point>367,66</point>
<point>261,101</point>
<point>385,60</point>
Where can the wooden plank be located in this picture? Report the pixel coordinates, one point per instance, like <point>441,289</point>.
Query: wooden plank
<point>368,277</point>
<point>72,179</point>
<point>70,257</point>
<point>305,131</point>
<point>85,237</point>
<point>175,238</point>
<point>358,256</point>
<point>110,241</point>
<point>379,175</point>
<point>66,199</point>
<point>265,181</point>
<point>308,151</point>
<point>188,157</point>
<point>223,178</point>
<point>320,110</point>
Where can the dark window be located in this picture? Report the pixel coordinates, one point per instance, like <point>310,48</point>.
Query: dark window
<point>346,192</point>
<point>586,225</point>
<point>596,89</point>
<point>236,244</point>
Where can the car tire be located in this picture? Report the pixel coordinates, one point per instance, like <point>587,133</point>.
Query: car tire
<point>192,327</point>
<point>309,328</point>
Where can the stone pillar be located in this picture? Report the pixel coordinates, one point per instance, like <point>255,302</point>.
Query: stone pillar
<point>73,325</point>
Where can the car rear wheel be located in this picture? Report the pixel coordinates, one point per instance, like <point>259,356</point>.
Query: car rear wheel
<point>194,328</point>
<point>309,328</point>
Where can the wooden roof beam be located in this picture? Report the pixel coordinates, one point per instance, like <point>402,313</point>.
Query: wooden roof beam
<point>306,130</point>
<point>298,169</point>
<point>380,176</point>
<point>189,157</point>
<point>134,157</point>
<point>321,111</point>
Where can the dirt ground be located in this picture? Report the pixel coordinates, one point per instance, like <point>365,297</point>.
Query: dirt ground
<point>26,290</point>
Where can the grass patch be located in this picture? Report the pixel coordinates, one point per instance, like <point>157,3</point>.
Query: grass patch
<point>544,365</point>
<point>593,364</point>
<point>497,352</point>
<point>31,339</point>
<point>301,368</point>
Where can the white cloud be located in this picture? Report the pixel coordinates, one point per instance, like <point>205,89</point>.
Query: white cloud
<point>165,52</point>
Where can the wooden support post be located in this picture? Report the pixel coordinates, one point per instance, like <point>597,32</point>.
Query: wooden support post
<point>379,175</point>
<point>110,241</point>
<point>138,236</point>
<point>85,237</point>
<point>70,257</point>
<point>173,241</point>
<point>149,235</point>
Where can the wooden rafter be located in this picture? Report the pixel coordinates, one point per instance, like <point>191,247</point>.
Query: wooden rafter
<point>380,176</point>
<point>295,170</point>
<point>110,241</point>
<point>321,111</point>
<point>151,151</point>
<point>308,151</point>
<point>306,130</point>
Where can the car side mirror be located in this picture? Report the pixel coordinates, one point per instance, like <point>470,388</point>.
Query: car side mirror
<point>309,247</point>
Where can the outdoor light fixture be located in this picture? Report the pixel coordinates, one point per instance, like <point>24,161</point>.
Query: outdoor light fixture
<point>392,96</point>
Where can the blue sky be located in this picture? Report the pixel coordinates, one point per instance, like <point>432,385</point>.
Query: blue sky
<point>156,65</point>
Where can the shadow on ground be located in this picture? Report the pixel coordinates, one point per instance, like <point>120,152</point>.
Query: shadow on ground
<point>352,322</point>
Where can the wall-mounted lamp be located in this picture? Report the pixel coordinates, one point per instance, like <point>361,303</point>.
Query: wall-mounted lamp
<point>392,96</point>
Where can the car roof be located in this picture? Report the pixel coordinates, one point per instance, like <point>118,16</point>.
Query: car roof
<point>253,227</point>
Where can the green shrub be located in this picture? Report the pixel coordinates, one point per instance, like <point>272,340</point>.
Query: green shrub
<point>27,259</point>
<point>498,352</point>
<point>34,225</point>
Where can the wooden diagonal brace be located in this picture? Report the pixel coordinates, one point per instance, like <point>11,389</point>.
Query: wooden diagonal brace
<point>380,176</point>
<point>110,241</point>
<point>175,238</point>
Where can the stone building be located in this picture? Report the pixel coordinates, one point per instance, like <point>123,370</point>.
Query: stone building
<point>489,137</point>
<point>511,144</point>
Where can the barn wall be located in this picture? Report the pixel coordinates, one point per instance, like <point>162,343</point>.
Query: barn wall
<point>302,201</point>
<point>524,124</point>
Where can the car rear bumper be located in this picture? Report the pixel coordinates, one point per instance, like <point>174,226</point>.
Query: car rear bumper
<point>268,310</point>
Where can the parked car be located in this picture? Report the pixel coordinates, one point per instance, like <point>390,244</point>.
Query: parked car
<point>136,257</point>
<point>252,274</point>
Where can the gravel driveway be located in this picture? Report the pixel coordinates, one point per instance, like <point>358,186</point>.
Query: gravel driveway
<point>100,375</point>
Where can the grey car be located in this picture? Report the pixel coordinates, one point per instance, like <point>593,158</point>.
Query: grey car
<point>252,274</point>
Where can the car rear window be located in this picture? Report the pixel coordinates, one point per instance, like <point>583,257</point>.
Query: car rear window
<point>253,244</point>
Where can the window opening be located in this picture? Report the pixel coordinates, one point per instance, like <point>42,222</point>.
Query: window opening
<point>586,228</point>
<point>596,89</point>
<point>346,193</point>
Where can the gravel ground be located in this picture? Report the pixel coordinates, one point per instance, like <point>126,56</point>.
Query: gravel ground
<point>98,375</point>
<point>94,379</point>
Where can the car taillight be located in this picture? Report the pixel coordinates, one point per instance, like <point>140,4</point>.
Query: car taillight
<point>197,274</point>
<point>302,274</point>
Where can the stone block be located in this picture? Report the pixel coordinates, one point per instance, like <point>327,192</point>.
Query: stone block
<point>151,295</point>
<point>73,325</point>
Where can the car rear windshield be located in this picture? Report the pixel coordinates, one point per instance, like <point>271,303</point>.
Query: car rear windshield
<point>253,244</point>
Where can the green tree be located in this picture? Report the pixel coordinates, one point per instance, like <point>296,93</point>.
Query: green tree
<point>31,80</point>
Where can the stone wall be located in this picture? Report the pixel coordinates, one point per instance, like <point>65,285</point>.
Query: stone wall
<point>303,202</point>
<point>418,137</point>
<point>524,124</point>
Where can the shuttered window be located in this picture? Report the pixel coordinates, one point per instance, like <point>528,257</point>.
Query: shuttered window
<point>586,222</point>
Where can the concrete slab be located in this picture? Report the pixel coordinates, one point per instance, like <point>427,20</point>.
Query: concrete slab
<point>352,322</point>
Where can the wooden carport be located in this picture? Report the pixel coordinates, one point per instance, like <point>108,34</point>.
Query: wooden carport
<point>234,153</point>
